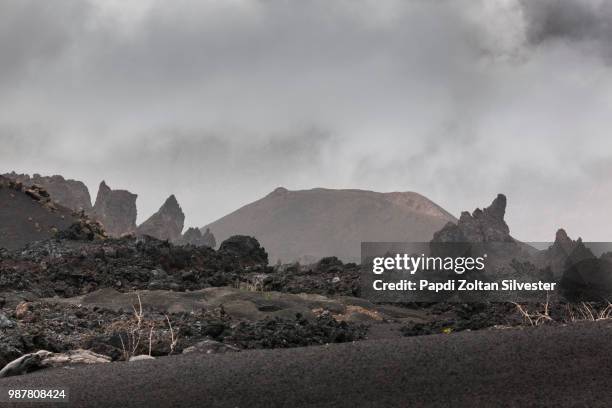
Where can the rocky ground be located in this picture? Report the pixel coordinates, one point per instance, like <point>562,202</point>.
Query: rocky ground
<point>567,366</point>
<point>141,296</point>
<point>65,268</point>
<point>81,292</point>
<point>119,335</point>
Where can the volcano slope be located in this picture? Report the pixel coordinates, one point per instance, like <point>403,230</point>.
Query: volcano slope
<point>308,225</point>
<point>493,368</point>
<point>27,214</point>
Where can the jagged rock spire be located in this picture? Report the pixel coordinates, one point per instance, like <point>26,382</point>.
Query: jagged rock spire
<point>116,210</point>
<point>486,225</point>
<point>167,223</point>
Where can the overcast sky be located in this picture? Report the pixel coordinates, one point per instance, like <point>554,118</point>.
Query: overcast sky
<point>222,101</point>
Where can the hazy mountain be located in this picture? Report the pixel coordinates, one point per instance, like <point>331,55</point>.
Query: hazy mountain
<point>309,224</point>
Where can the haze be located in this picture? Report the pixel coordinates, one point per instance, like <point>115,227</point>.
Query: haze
<point>219,102</point>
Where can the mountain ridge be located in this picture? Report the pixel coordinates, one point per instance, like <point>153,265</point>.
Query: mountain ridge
<point>306,225</point>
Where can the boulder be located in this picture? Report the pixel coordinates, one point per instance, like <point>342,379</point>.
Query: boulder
<point>45,359</point>
<point>74,357</point>
<point>25,364</point>
<point>245,249</point>
<point>211,347</point>
<point>141,357</point>
<point>22,310</point>
<point>5,322</point>
<point>83,230</point>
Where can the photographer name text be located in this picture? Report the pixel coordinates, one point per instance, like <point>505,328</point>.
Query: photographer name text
<point>462,285</point>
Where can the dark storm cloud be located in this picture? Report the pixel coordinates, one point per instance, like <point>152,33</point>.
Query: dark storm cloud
<point>585,20</point>
<point>220,102</point>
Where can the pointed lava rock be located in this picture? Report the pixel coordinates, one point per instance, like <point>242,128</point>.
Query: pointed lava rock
<point>116,210</point>
<point>486,225</point>
<point>165,224</point>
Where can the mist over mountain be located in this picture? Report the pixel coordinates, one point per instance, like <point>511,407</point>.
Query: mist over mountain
<point>220,102</point>
<point>308,225</point>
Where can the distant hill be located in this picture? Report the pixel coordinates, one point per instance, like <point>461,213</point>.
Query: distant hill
<point>307,225</point>
<point>27,214</point>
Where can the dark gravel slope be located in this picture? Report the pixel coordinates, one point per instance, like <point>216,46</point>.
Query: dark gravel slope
<point>28,215</point>
<point>567,366</point>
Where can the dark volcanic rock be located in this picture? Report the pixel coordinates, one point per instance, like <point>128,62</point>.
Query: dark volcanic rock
<point>328,277</point>
<point>564,253</point>
<point>69,193</point>
<point>472,316</point>
<point>486,225</point>
<point>211,347</point>
<point>281,333</point>
<point>588,280</point>
<point>193,236</point>
<point>63,327</point>
<point>68,268</point>
<point>485,232</point>
<point>116,210</point>
<point>27,214</point>
<point>83,230</point>
<point>165,224</point>
<point>245,249</point>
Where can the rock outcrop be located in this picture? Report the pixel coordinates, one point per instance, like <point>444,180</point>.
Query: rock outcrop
<point>27,214</point>
<point>194,236</point>
<point>69,193</point>
<point>83,230</point>
<point>246,250</point>
<point>211,347</point>
<point>485,225</point>
<point>45,359</point>
<point>308,225</point>
<point>564,253</point>
<point>587,280</point>
<point>116,210</point>
<point>167,223</point>
<point>485,231</point>
<point>208,239</point>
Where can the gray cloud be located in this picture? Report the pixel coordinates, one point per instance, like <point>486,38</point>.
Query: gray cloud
<point>220,102</point>
<point>34,34</point>
<point>570,20</point>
